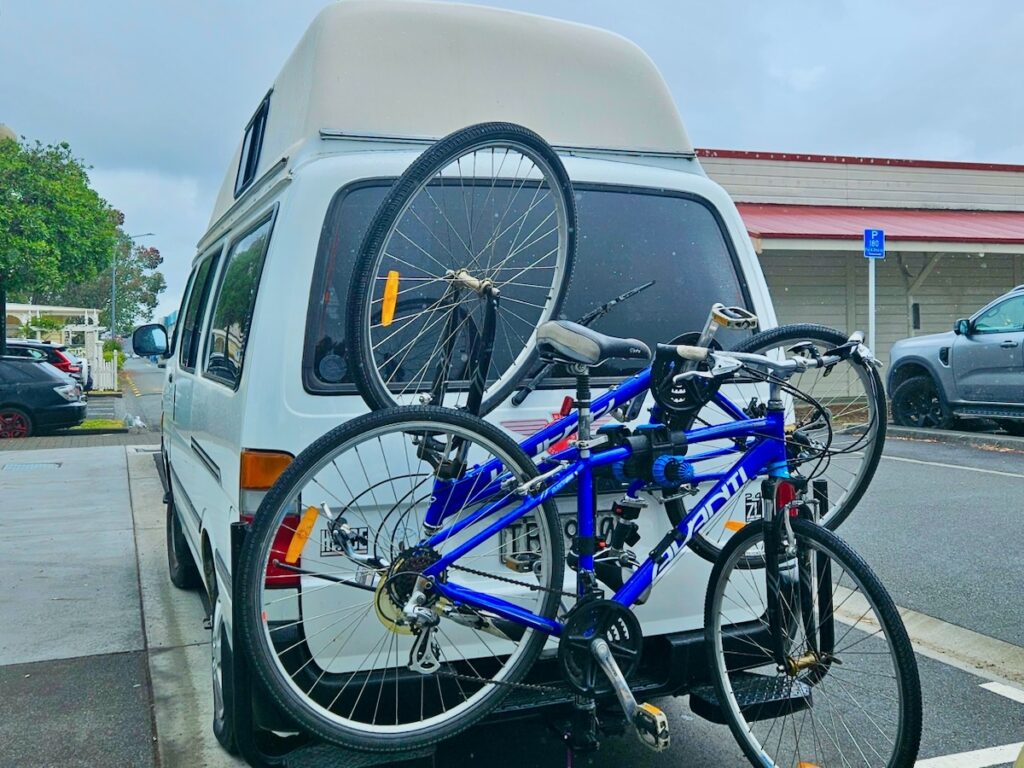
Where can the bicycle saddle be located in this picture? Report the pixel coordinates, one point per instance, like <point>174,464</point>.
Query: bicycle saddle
<point>559,341</point>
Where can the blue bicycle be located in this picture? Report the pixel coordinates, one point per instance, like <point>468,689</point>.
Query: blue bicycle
<point>409,571</point>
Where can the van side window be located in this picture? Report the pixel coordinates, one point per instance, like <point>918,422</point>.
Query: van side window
<point>192,322</point>
<point>252,143</point>
<point>232,309</point>
<point>176,332</point>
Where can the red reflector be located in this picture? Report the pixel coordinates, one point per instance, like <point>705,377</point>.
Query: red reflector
<point>566,408</point>
<point>785,494</point>
<point>277,576</point>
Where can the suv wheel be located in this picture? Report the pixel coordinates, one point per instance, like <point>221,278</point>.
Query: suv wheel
<point>180,564</point>
<point>917,402</point>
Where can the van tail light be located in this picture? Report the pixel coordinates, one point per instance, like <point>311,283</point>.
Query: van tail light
<point>258,471</point>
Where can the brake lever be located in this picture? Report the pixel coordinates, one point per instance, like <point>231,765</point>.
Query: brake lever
<point>722,367</point>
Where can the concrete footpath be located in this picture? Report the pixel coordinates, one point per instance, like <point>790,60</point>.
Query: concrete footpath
<point>90,620</point>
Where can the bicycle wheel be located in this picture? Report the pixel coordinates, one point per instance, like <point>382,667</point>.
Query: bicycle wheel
<point>491,202</point>
<point>334,556</point>
<point>851,425</point>
<point>848,692</point>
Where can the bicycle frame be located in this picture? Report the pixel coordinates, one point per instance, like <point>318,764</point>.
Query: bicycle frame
<point>764,453</point>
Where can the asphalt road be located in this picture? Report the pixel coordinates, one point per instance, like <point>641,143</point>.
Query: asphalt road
<point>943,526</point>
<point>143,395</point>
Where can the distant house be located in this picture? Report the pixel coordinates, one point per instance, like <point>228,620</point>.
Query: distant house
<point>20,317</point>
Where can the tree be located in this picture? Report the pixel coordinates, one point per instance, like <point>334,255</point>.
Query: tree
<point>54,228</point>
<point>139,285</point>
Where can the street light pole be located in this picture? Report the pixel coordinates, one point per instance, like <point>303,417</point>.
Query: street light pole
<point>113,282</point>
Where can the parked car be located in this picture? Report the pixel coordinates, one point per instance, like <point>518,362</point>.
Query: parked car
<point>35,397</point>
<point>56,355</point>
<point>83,363</point>
<point>253,379</point>
<point>975,370</point>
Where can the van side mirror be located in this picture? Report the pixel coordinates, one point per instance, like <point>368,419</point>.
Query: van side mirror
<point>150,340</point>
<point>962,327</point>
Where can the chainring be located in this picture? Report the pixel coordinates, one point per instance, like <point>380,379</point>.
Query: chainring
<point>619,627</point>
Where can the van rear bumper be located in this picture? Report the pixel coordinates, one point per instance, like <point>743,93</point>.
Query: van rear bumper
<point>672,665</point>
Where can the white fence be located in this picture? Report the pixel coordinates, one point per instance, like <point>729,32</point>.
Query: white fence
<point>104,374</point>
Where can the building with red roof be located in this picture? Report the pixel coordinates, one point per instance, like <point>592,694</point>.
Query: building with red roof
<point>954,235</point>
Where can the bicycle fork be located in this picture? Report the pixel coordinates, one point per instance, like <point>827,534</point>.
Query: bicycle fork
<point>798,585</point>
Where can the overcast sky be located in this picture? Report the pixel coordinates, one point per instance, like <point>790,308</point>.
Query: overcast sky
<point>154,95</point>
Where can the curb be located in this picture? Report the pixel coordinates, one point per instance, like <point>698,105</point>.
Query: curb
<point>108,431</point>
<point>973,439</point>
<point>101,395</point>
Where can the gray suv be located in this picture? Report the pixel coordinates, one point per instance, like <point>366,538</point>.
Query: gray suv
<point>976,370</point>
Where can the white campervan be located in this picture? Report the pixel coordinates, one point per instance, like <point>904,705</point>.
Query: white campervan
<point>256,371</point>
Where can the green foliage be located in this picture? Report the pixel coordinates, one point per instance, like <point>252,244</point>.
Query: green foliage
<point>45,324</point>
<point>53,226</point>
<point>139,285</point>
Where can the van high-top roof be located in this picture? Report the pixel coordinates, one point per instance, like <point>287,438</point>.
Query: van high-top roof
<point>407,69</point>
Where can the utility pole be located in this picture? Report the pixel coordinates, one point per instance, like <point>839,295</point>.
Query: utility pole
<point>113,280</point>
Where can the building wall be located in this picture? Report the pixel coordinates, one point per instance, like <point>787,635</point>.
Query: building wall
<point>831,288</point>
<point>868,182</point>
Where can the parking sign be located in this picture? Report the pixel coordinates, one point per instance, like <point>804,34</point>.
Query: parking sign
<point>874,244</point>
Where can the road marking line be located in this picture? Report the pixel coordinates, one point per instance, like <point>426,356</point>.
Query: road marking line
<point>980,655</point>
<point>1009,691</point>
<point>954,466</point>
<point>979,758</point>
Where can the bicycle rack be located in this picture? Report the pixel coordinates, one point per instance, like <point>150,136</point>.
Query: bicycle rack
<point>262,748</point>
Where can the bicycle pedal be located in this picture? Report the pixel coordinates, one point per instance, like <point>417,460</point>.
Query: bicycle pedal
<point>651,727</point>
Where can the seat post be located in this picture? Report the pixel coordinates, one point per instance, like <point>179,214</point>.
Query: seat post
<point>582,374</point>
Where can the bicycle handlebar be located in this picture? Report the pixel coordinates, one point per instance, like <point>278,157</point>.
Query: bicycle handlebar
<point>724,363</point>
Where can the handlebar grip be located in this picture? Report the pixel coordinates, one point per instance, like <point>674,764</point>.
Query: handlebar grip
<point>697,354</point>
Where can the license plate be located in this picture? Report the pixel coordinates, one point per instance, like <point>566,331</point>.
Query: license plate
<point>520,542</point>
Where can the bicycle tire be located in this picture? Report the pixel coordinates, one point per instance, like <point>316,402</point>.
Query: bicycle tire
<point>250,579</point>
<point>784,335</point>
<point>358,324</point>
<point>886,617</point>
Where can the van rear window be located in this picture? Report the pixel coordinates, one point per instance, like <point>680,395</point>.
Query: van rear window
<point>627,236</point>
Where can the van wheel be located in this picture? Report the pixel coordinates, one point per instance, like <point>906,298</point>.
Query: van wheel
<point>180,564</point>
<point>223,681</point>
<point>917,402</point>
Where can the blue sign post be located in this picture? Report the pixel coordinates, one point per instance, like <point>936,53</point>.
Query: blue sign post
<point>874,249</point>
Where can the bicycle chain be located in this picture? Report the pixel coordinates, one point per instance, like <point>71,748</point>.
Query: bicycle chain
<point>508,684</point>
<point>525,584</point>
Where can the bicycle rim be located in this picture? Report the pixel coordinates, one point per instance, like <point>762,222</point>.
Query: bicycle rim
<point>495,202</point>
<point>853,428</point>
<point>328,632</point>
<point>849,693</point>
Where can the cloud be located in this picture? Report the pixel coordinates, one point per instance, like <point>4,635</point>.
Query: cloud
<point>176,208</point>
<point>799,79</point>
